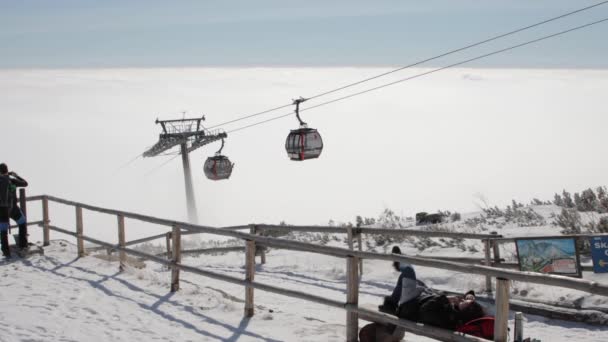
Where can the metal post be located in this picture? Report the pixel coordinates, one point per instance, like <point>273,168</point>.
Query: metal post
<point>519,327</point>
<point>190,201</point>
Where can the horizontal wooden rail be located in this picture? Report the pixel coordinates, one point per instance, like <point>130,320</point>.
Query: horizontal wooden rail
<point>146,239</point>
<point>465,260</point>
<point>67,232</point>
<point>237,227</point>
<point>140,217</point>
<point>413,327</point>
<point>34,223</point>
<point>34,198</point>
<point>311,229</point>
<point>372,231</point>
<point>209,250</point>
<point>512,239</point>
<point>425,233</point>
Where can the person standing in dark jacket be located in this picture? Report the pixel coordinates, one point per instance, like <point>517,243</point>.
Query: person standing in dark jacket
<point>12,211</point>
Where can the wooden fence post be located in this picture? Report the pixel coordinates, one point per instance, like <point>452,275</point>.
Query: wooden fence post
<point>249,276</point>
<point>46,238</point>
<point>352,297</point>
<point>360,243</point>
<point>79,232</point>
<point>23,201</point>
<point>177,257</point>
<point>496,249</point>
<point>121,242</point>
<point>501,322</point>
<point>168,238</point>
<point>349,234</point>
<point>23,205</point>
<point>262,251</point>
<point>488,262</point>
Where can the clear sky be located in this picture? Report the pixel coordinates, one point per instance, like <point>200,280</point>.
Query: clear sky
<point>111,33</point>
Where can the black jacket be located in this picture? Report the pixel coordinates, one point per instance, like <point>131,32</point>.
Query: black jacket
<point>16,182</point>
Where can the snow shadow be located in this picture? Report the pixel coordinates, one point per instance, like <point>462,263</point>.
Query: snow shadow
<point>155,307</point>
<point>297,278</point>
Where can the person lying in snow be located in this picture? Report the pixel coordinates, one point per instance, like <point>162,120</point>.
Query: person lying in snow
<point>411,299</point>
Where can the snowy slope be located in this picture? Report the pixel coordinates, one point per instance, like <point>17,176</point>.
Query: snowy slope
<point>57,297</point>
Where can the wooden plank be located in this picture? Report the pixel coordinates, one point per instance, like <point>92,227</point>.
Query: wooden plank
<point>34,198</point>
<point>360,244</point>
<point>512,239</point>
<point>146,239</point>
<point>495,248</point>
<point>487,251</point>
<point>349,238</point>
<point>79,232</point>
<point>260,250</point>
<point>121,241</point>
<point>425,233</point>
<point>352,298</point>
<point>177,258</point>
<point>413,327</point>
<point>249,276</point>
<point>33,223</point>
<point>501,323</point>
<point>213,250</point>
<point>64,231</point>
<point>46,238</point>
<point>23,201</point>
<point>168,244</point>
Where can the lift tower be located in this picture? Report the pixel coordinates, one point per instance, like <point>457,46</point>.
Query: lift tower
<point>189,134</point>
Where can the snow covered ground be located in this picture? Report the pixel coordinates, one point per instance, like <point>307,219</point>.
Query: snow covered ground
<point>58,297</point>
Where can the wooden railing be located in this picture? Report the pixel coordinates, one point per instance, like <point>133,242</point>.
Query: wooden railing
<point>353,259</point>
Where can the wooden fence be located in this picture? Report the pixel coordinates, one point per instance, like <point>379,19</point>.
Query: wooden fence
<point>253,240</point>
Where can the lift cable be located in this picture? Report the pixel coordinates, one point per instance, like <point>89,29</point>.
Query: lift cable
<point>428,72</point>
<point>404,80</point>
<point>418,63</point>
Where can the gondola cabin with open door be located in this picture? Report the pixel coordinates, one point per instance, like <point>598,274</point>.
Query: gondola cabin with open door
<point>219,166</point>
<point>303,143</point>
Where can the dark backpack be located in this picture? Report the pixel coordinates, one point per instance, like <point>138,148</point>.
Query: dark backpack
<point>482,327</point>
<point>5,192</point>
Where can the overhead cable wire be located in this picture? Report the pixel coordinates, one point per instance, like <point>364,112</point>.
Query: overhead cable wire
<point>459,50</point>
<point>252,115</point>
<point>405,79</point>
<point>420,62</point>
<point>428,72</point>
<point>161,165</point>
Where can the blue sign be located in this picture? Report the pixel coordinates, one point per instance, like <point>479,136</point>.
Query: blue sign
<point>599,253</point>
